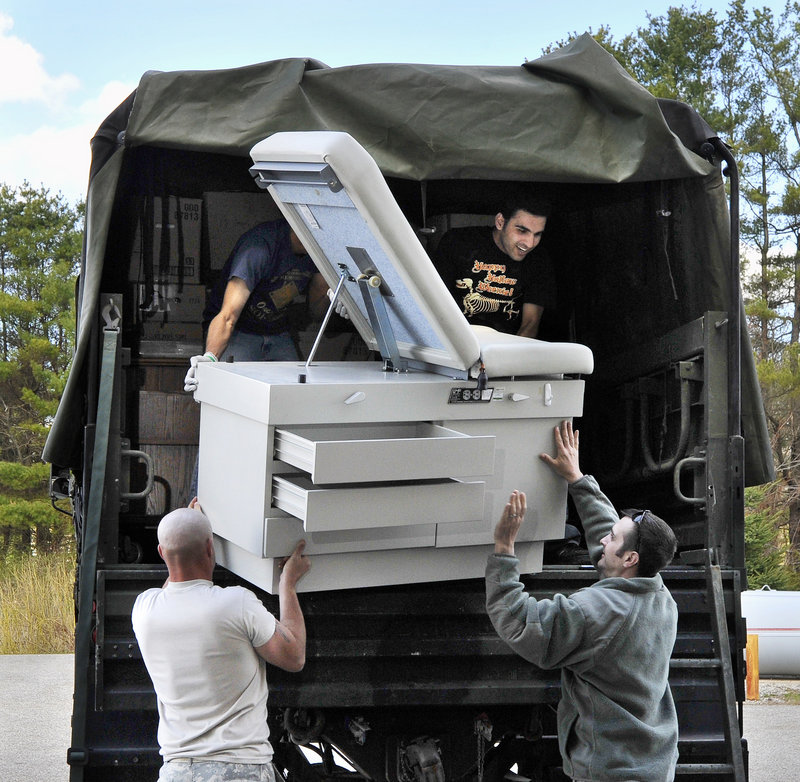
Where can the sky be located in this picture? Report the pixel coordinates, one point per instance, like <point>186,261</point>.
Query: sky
<point>64,66</point>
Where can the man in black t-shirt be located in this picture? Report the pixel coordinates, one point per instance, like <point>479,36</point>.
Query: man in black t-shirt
<point>498,275</point>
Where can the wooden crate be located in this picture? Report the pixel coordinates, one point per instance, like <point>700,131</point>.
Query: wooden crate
<point>166,418</point>
<point>173,467</point>
<point>168,431</point>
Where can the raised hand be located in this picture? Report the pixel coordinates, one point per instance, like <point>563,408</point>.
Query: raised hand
<point>505,533</point>
<point>565,462</point>
<point>293,568</point>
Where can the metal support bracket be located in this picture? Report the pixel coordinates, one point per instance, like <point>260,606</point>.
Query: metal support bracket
<point>370,286</point>
<point>343,275</point>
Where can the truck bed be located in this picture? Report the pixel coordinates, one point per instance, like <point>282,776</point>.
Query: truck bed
<point>375,656</point>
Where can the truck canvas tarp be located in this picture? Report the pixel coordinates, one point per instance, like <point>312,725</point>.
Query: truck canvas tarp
<point>645,251</point>
<point>570,118</point>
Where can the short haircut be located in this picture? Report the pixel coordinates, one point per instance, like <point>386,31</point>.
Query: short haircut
<point>531,204</point>
<point>184,531</point>
<point>653,539</point>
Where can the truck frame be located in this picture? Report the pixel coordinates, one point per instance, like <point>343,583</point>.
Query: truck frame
<point>409,682</point>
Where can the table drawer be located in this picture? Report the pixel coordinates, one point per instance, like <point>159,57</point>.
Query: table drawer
<point>380,505</point>
<point>384,452</point>
<point>281,536</point>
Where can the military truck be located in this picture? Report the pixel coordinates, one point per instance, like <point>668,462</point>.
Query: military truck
<point>408,681</point>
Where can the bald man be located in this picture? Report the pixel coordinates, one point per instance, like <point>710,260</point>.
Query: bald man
<point>206,648</point>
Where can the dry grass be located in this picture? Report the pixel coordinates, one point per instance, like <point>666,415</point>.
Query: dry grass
<point>36,607</point>
<point>785,692</point>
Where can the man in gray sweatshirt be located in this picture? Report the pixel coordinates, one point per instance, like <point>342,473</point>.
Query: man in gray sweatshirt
<point>612,640</point>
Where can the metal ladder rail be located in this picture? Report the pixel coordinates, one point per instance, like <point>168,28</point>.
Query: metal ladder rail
<point>722,664</point>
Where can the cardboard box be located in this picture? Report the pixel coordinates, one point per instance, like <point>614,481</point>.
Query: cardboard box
<point>170,301</point>
<point>229,215</point>
<point>185,223</point>
<point>184,333</point>
<point>158,350</point>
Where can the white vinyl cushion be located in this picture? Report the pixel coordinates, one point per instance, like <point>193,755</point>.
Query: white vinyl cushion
<point>507,355</point>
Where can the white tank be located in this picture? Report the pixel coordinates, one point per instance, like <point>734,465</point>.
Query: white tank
<point>774,616</point>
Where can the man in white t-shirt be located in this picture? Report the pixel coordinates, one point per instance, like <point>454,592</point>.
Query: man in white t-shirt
<point>206,648</point>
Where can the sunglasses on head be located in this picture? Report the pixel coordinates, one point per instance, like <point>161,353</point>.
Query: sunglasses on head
<point>638,515</point>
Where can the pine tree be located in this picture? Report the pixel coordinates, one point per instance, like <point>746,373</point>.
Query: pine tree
<point>742,74</point>
<point>40,241</point>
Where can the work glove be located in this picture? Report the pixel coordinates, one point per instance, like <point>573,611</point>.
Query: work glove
<point>340,309</point>
<point>190,381</point>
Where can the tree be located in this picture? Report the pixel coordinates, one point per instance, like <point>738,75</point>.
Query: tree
<point>684,55</point>
<point>677,57</point>
<point>40,241</point>
<point>765,545</point>
<point>28,522</point>
<point>771,145</point>
<point>742,74</point>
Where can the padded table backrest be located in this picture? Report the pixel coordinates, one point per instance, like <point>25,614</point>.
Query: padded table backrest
<point>335,198</point>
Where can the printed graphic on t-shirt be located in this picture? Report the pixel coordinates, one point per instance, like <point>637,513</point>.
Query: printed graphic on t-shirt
<point>269,304</point>
<point>493,292</point>
<point>283,296</point>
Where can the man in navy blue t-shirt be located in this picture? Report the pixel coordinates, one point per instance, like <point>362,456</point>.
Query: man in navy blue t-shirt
<point>247,311</point>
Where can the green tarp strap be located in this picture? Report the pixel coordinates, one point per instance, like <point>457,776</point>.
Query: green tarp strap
<point>78,753</point>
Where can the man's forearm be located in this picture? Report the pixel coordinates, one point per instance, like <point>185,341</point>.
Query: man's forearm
<point>219,335</point>
<point>291,615</point>
<point>508,609</point>
<point>596,512</point>
<point>531,318</point>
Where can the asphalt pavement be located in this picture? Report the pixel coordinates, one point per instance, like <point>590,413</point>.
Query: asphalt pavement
<point>36,698</point>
